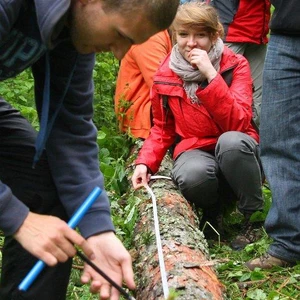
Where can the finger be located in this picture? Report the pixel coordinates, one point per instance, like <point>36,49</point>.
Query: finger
<point>64,249</point>
<point>115,295</point>
<point>139,185</point>
<point>53,246</point>
<point>62,245</point>
<point>51,255</point>
<point>86,276</point>
<point>95,287</point>
<point>48,259</point>
<point>134,184</point>
<point>128,273</point>
<point>145,178</point>
<point>86,248</point>
<point>105,291</point>
<point>58,251</point>
<point>77,239</point>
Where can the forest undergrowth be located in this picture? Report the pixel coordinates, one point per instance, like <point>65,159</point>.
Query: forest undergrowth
<point>240,283</point>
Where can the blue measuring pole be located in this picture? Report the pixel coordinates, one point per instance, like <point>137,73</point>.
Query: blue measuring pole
<point>39,266</point>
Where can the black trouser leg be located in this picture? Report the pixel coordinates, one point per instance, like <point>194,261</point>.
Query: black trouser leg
<point>36,189</point>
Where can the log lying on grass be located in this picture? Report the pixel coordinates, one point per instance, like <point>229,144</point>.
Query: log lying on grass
<point>189,270</point>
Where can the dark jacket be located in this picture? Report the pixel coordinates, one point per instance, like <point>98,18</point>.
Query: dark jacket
<point>285,18</point>
<point>29,29</point>
<point>221,109</point>
<point>244,21</point>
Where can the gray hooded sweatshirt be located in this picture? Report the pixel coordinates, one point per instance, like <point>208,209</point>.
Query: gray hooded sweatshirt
<point>33,34</point>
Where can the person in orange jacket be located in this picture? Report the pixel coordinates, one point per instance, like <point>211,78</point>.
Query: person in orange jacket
<point>193,100</point>
<point>135,78</point>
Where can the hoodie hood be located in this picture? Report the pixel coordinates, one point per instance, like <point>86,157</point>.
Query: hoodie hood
<point>50,16</point>
<point>64,99</point>
<point>27,30</point>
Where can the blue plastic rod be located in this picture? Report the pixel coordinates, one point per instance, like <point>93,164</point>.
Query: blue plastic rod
<point>39,266</point>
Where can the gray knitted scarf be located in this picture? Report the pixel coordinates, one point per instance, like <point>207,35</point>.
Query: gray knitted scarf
<point>190,76</point>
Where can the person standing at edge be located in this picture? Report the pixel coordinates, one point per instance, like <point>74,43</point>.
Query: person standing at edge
<point>135,78</point>
<point>280,139</point>
<point>46,176</point>
<point>246,26</point>
<point>212,117</point>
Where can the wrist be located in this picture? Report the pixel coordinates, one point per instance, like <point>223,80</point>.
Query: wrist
<point>211,76</point>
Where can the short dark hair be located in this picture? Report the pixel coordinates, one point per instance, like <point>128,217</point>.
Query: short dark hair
<point>160,13</point>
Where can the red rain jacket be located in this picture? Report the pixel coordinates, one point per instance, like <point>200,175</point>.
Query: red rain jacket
<point>244,21</point>
<point>221,109</point>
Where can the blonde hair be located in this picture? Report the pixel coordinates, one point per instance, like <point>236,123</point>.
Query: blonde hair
<point>198,16</point>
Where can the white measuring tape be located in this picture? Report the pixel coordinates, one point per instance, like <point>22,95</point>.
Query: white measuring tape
<point>158,239</point>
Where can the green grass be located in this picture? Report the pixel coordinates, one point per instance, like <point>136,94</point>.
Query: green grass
<point>240,283</point>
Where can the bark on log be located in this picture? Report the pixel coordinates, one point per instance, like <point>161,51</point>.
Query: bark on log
<point>190,272</point>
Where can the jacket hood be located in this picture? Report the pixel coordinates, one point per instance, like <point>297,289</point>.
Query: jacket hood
<point>49,15</point>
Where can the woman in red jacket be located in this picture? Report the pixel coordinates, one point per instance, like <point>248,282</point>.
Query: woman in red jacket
<point>202,93</point>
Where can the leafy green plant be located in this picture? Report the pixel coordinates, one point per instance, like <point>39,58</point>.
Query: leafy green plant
<point>173,294</point>
<point>240,283</point>
<point>105,74</point>
<point>19,92</point>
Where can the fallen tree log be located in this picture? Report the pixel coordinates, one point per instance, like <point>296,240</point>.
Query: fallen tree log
<point>190,272</point>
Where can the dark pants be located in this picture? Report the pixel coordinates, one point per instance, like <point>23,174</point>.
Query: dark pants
<point>36,189</point>
<point>205,178</point>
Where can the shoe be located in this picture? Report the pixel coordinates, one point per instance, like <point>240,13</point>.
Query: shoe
<point>267,261</point>
<point>250,233</point>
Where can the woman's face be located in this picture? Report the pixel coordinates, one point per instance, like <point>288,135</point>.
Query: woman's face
<point>188,39</point>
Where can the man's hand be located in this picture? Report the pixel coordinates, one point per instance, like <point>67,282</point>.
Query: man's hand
<point>114,260</point>
<point>50,239</point>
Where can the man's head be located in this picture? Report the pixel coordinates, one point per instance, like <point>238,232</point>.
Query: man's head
<point>160,13</point>
<point>114,25</point>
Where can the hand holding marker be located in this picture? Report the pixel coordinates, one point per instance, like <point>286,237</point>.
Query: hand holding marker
<point>39,266</point>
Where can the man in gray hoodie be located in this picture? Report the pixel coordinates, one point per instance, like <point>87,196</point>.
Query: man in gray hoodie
<point>46,176</point>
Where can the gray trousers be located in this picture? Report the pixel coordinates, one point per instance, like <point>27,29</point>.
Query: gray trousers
<point>255,55</point>
<point>201,176</point>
